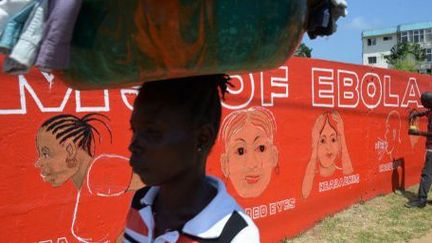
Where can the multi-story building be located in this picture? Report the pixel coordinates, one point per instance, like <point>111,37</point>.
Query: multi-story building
<point>377,43</point>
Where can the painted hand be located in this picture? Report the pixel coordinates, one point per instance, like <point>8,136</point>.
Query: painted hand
<point>319,123</point>
<point>339,122</point>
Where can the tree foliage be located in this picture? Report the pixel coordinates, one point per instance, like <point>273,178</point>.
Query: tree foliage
<point>303,51</point>
<point>406,56</point>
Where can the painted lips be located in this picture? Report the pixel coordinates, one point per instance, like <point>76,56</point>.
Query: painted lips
<point>44,174</point>
<point>47,177</point>
<point>252,179</point>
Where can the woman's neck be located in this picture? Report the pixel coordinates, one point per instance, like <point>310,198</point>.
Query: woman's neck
<point>180,201</point>
<point>183,192</point>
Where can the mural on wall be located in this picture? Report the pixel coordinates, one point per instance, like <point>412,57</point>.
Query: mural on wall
<point>66,147</point>
<point>249,155</point>
<point>329,151</point>
<point>82,181</point>
<point>387,147</point>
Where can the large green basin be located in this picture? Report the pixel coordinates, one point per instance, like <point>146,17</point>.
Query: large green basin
<point>120,43</point>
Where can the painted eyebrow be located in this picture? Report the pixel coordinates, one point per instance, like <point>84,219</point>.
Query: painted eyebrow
<point>241,139</point>
<point>256,138</point>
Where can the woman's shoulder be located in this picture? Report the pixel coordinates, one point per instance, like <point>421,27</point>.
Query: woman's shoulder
<point>138,196</point>
<point>249,231</point>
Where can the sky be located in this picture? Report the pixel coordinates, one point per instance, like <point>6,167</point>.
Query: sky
<point>345,45</point>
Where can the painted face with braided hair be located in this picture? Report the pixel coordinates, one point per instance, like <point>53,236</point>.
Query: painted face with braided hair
<point>56,161</point>
<point>63,142</point>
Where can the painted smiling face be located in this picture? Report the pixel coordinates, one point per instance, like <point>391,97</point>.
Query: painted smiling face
<point>329,146</point>
<point>250,160</point>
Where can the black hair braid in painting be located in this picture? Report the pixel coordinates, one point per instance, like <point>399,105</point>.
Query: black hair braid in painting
<point>200,95</point>
<point>80,130</point>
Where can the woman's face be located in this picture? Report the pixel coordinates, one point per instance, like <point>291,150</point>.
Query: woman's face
<point>52,159</point>
<point>163,145</point>
<point>251,157</point>
<point>328,146</point>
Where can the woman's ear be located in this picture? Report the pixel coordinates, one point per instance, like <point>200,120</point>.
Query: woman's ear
<point>71,150</point>
<point>275,156</point>
<point>224,164</point>
<point>205,137</point>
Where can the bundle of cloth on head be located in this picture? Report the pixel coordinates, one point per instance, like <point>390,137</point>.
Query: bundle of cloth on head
<point>36,33</point>
<point>98,44</point>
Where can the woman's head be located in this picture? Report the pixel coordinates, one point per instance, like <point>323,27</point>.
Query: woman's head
<point>174,125</point>
<point>329,145</point>
<point>249,152</point>
<point>60,140</point>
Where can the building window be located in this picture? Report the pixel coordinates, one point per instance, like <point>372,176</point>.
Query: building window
<point>372,60</point>
<point>404,37</point>
<point>410,36</point>
<point>428,35</point>
<point>429,55</point>
<point>418,36</point>
<point>387,38</point>
<point>371,42</point>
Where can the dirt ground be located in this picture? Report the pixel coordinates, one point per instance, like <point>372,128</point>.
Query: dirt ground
<point>425,239</point>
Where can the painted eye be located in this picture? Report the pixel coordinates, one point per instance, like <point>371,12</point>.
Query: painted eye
<point>240,151</point>
<point>322,140</point>
<point>261,148</point>
<point>333,140</point>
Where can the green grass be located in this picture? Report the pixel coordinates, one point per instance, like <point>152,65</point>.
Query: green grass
<point>382,219</point>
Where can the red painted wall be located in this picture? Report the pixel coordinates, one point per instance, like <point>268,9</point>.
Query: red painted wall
<point>355,157</point>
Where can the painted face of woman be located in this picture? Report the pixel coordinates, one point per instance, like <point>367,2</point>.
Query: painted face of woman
<point>251,159</point>
<point>53,159</point>
<point>328,146</point>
